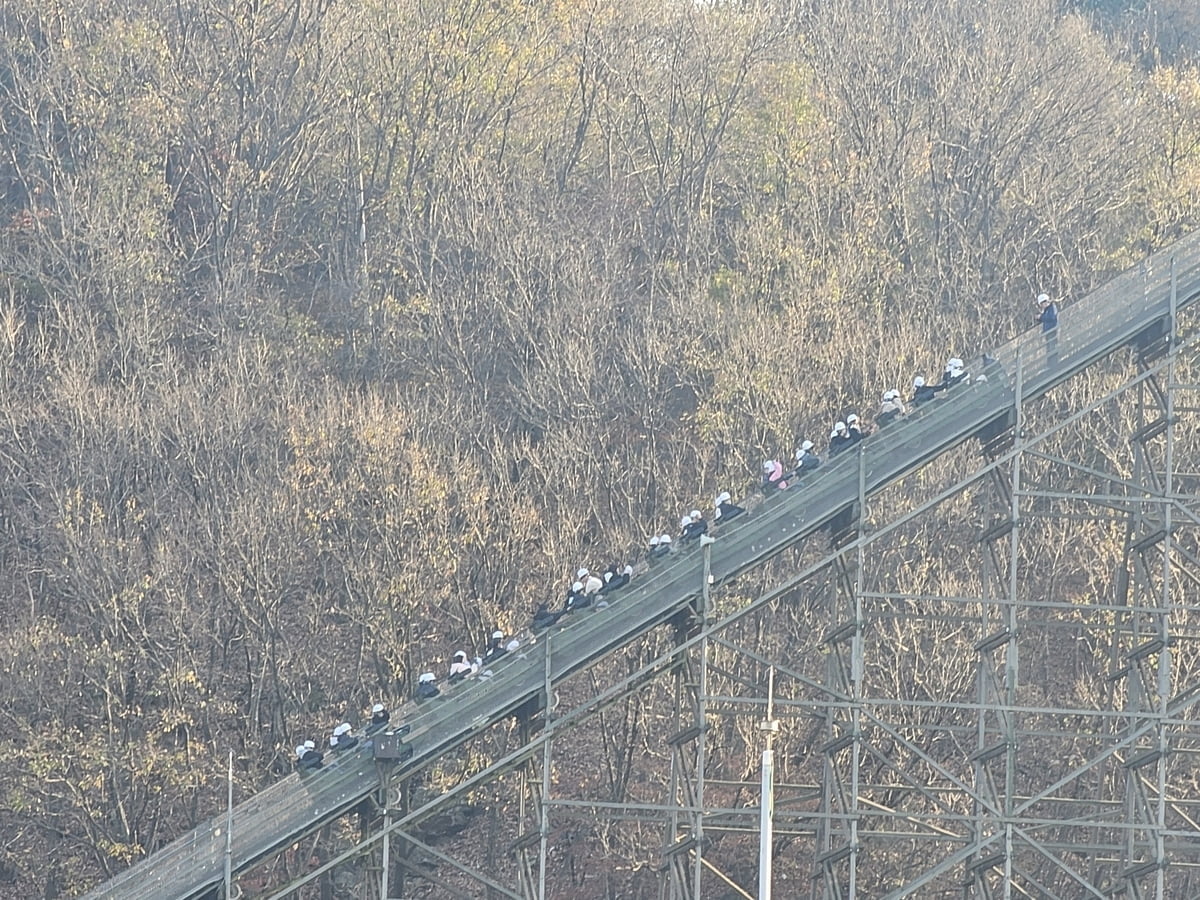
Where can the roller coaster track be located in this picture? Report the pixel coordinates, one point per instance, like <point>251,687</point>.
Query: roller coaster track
<point>1138,307</point>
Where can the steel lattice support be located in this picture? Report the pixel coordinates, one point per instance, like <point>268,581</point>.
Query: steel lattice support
<point>1142,649</point>
<point>997,667</point>
<point>1058,760</point>
<point>841,751</point>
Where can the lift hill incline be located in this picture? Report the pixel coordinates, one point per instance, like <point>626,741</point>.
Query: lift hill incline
<point>1136,308</point>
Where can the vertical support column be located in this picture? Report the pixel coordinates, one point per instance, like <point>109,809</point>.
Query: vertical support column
<point>1142,652</point>
<point>683,847</point>
<point>997,672</point>
<point>533,797</point>
<point>837,837</point>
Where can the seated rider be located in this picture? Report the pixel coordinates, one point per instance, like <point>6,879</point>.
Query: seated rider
<point>725,509</point>
<point>379,719</point>
<point>888,410</point>
<point>577,598</point>
<point>854,429</point>
<point>591,584</point>
<point>660,546</point>
<point>498,647</point>
<point>922,392</point>
<point>954,373</point>
<point>342,739</point>
<point>427,687</point>
<point>839,439</point>
<point>692,527</point>
<point>308,757</point>
<point>460,668</point>
<point>615,579</point>
<point>773,476</point>
<point>543,618</point>
<point>806,460</point>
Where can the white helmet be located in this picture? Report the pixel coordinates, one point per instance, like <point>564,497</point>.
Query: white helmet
<point>309,745</point>
<point>300,751</point>
<point>919,381</point>
<point>766,465</point>
<point>378,707</point>
<point>685,521</point>
<point>723,497</point>
<point>666,539</point>
<point>344,728</point>
<point>458,655</point>
<point>695,516</point>
<point>582,573</point>
<point>654,541</point>
<point>1043,299</point>
<point>806,446</point>
<point>576,587</point>
<point>851,419</point>
<point>497,634</point>
<point>839,427</point>
<point>956,363</point>
<point>426,678</point>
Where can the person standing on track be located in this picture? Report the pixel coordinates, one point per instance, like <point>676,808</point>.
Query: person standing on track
<point>1047,317</point>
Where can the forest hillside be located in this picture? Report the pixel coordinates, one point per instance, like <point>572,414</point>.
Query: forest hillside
<point>333,335</point>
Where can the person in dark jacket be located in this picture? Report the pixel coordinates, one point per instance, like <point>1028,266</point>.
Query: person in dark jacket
<point>379,719</point>
<point>725,509</point>
<point>543,618</point>
<point>342,739</point>
<point>806,459</point>
<point>955,373</point>
<point>854,429</point>
<point>308,757</point>
<point>577,598</point>
<point>660,547</point>
<point>499,646</point>
<point>692,526</point>
<point>427,687</point>
<point>839,439</point>
<point>923,393</point>
<point>616,578</point>
<point>1047,317</point>
<point>495,648</point>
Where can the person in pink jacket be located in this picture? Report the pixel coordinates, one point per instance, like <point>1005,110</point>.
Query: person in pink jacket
<point>773,476</point>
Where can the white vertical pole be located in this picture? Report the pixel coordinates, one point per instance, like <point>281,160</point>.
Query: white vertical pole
<point>706,541</point>
<point>547,763</point>
<point>229,835</point>
<point>769,727</point>
<point>384,887</point>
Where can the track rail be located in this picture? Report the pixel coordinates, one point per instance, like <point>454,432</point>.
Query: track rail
<point>1137,307</point>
